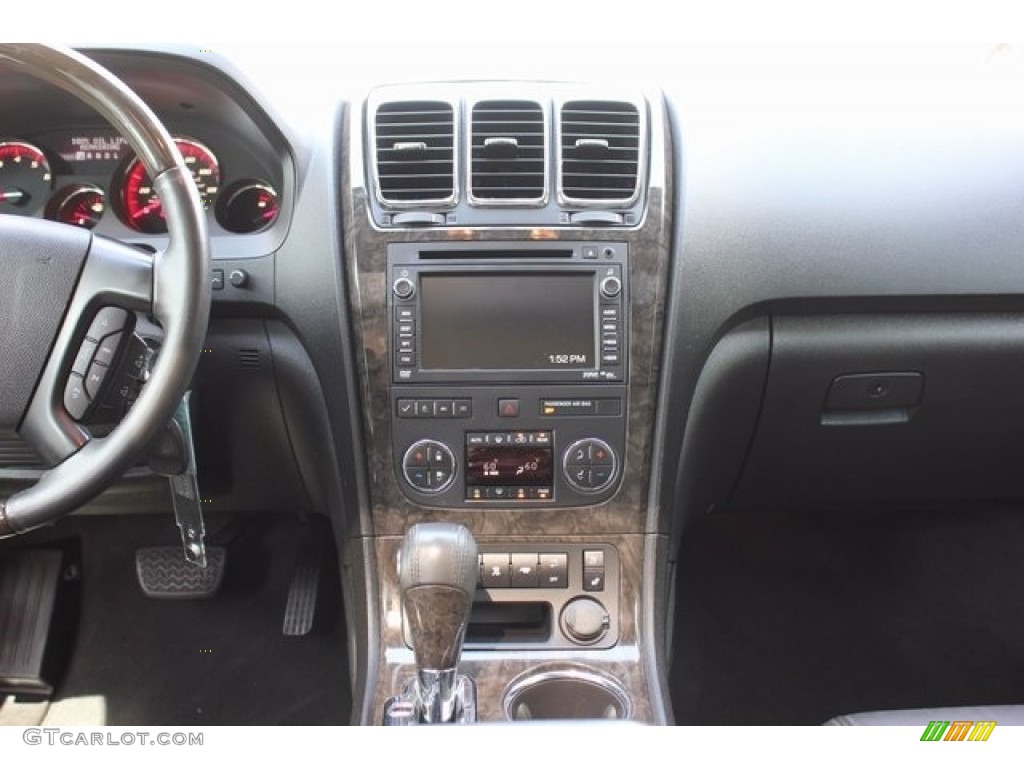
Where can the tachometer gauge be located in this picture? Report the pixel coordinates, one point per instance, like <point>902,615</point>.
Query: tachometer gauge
<point>247,206</point>
<point>140,208</point>
<point>25,178</point>
<point>79,204</point>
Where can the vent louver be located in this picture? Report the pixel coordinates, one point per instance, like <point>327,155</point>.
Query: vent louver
<point>600,151</point>
<point>415,152</point>
<point>508,158</point>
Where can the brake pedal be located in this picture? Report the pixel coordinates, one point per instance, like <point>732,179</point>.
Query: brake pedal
<point>164,573</point>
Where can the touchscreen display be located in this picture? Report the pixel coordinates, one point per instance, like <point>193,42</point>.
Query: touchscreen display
<point>521,321</point>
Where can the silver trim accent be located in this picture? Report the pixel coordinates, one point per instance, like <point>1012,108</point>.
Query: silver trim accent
<point>643,157</point>
<point>501,202</point>
<point>393,96</point>
<point>530,679</point>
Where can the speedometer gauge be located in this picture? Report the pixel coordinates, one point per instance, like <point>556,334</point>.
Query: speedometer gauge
<point>141,209</point>
<point>25,178</point>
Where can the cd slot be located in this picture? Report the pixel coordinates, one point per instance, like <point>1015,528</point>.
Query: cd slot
<point>504,253</point>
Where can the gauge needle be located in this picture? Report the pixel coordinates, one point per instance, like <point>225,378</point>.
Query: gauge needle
<point>146,209</point>
<point>11,195</point>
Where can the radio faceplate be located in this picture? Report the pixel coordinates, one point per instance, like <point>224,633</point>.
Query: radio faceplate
<point>509,367</point>
<point>495,312</point>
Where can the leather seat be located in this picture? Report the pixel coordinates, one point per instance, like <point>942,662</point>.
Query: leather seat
<point>1003,715</point>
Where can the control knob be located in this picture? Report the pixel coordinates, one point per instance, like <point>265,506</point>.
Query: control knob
<point>611,287</point>
<point>404,288</point>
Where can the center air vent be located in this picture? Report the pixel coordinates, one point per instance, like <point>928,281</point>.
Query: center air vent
<point>508,159</point>
<point>415,152</point>
<point>600,146</point>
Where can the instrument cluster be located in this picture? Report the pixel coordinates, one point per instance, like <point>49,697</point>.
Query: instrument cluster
<point>85,178</point>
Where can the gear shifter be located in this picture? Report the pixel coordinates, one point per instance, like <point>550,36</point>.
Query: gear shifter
<point>437,574</point>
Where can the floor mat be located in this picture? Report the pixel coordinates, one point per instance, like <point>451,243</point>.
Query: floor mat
<point>793,619</point>
<point>220,661</point>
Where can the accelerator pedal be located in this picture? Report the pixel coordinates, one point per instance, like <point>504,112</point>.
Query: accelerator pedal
<point>165,574</point>
<point>29,581</point>
<point>304,592</point>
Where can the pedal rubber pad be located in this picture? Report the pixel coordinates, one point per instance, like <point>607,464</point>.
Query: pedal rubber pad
<point>28,596</point>
<point>165,573</point>
<point>300,610</point>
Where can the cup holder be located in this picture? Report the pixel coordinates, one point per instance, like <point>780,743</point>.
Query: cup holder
<point>566,695</point>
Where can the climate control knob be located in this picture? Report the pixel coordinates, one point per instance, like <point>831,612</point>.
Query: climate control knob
<point>429,466</point>
<point>589,465</point>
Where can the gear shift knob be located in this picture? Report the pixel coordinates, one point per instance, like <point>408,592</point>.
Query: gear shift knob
<point>438,574</point>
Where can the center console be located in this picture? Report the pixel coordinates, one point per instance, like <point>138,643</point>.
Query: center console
<point>506,258</point>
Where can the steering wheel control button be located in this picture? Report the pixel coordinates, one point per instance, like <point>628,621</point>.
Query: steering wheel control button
<point>94,379</point>
<point>589,465</point>
<point>107,349</point>
<point>76,401</point>
<point>107,321</point>
<point>429,466</point>
<point>585,620</point>
<point>84,357</point>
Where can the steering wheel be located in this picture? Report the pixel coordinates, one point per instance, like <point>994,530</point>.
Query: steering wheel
<point>54,278</point>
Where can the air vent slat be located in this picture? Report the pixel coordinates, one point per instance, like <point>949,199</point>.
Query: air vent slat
<point>508,152</point>
<point>422,171</point>
<point>600,145</point>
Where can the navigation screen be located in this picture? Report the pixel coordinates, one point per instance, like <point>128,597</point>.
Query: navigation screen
<point>521,321</point>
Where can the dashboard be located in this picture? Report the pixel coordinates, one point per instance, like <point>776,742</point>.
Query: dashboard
<point>572,317</point>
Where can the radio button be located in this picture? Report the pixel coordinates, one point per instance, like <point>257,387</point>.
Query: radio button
<point>406,344</point>
<point>406,329</point>
<point>609,313</point>
<point>463,409</point>
<point>610,341</point>
<point>424,408</point>
<point>404,314</point>
<point>405,359</point>
<point>443,409</point>
<point>610,358</point>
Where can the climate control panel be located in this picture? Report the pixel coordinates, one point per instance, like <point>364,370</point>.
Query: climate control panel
<point>492,446</point>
